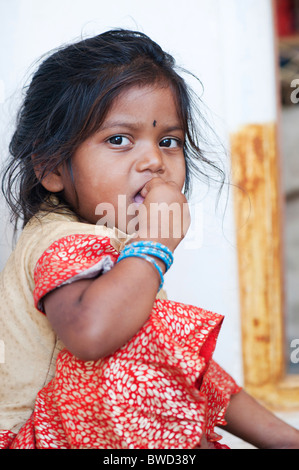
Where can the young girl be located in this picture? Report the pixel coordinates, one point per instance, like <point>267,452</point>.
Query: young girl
<point>95,354</point>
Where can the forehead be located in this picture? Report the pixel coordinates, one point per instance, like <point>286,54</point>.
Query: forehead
<point>155,102</point>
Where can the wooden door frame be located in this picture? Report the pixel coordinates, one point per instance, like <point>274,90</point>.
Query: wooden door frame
<point>259,221</point>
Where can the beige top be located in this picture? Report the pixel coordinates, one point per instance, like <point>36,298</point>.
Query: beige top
<point>30,344</point>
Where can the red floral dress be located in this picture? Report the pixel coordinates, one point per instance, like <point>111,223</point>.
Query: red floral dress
<point>162,390</point>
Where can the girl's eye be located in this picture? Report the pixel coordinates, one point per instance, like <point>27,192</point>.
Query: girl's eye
<point>170,143</point>
<point>119,140</point>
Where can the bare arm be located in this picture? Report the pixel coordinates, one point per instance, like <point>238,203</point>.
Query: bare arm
<point>93,318</point>
<point>250,421</point>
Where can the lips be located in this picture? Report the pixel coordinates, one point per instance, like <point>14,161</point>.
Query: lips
<point>138,198</point>
<point>140,195</point>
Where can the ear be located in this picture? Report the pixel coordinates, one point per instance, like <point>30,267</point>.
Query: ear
<point>53,181</point>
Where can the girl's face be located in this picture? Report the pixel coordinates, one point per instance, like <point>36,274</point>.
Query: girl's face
<point>141,138</point>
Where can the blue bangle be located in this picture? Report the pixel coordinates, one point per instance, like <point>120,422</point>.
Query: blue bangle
<point>152,249</point>
<point>147,250</point>
<point>128,254</point>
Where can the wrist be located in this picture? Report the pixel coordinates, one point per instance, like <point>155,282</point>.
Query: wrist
<point>157,254</point>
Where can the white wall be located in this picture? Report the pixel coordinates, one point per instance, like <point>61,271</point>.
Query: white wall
<point>201,34</point>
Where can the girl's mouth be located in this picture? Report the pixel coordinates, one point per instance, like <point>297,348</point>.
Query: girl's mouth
<point>138,199</point>
<point>140,195</point>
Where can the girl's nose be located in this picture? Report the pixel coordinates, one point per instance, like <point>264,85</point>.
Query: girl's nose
<point>151,159</point>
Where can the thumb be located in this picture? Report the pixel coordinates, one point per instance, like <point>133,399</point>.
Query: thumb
<point>149,185</point>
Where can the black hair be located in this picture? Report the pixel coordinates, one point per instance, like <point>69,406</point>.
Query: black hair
<point>68,99</point>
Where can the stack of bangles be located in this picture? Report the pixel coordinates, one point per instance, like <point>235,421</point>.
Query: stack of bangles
<point>148,251</point>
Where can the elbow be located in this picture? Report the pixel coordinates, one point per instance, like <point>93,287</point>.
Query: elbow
<point>87,332</point>
<point>87,346</point>
<point>90,354</point>
<point>90,342</point>
<point>86,356</point>
<point>82,351</point>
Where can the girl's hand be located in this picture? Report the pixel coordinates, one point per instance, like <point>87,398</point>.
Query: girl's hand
<point>164,216</point>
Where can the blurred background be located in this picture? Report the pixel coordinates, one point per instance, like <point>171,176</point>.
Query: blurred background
<point>288,51</point>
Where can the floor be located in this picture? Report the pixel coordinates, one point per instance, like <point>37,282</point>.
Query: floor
<point>233,442</point>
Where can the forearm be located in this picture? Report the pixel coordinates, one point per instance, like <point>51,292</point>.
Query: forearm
<point>93,318</point>
<point>250,421</point>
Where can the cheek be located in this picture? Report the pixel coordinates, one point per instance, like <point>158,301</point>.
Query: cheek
<point>181,174</point>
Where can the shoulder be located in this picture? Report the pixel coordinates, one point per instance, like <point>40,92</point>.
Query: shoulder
<point>47,228</point>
